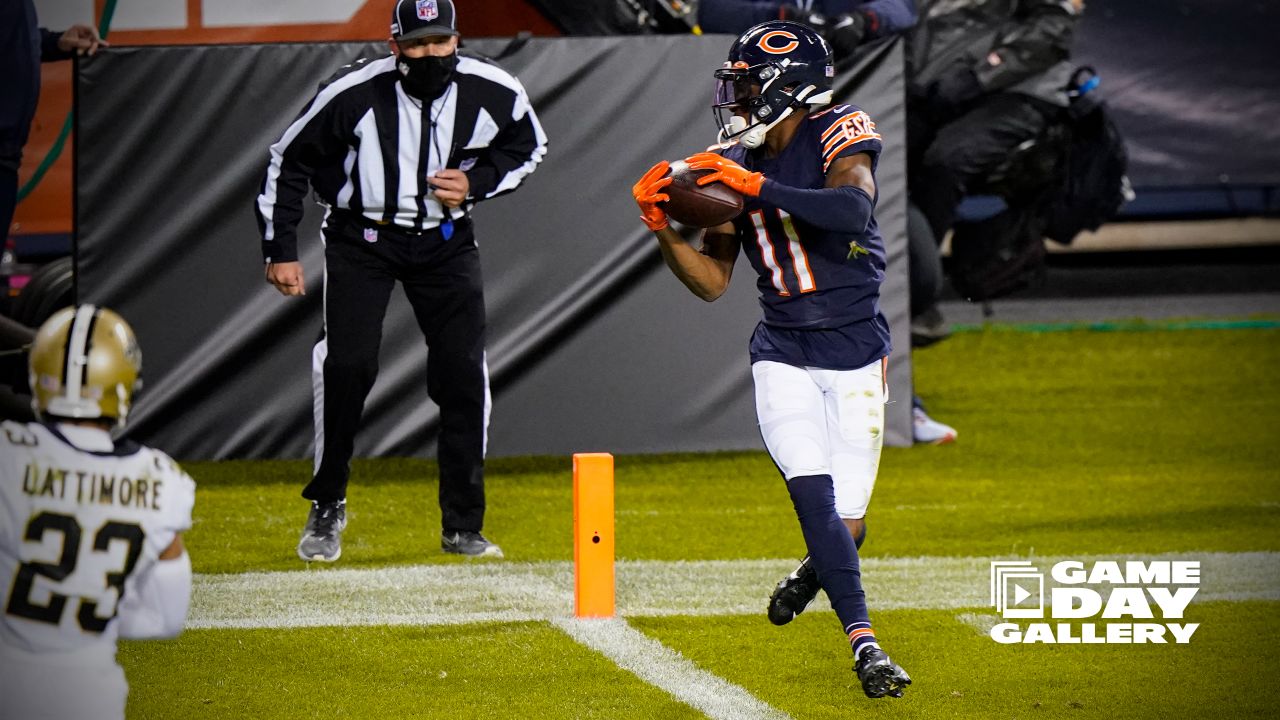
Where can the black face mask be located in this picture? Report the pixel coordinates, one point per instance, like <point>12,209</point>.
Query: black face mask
<point>426,77</point>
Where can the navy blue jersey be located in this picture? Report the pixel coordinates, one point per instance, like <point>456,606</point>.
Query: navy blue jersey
<point>809,278</point>
<point>848,347</point>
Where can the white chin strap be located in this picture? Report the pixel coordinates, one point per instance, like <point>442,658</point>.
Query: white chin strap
<point>754,137</point>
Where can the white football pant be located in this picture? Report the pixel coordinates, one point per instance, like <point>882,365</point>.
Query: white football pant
<point>824,422</point>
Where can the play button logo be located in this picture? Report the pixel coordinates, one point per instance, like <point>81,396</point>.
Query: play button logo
<point>1017,589</point>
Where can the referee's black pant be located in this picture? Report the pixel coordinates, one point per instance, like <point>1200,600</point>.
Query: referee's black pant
<point>442,282</point>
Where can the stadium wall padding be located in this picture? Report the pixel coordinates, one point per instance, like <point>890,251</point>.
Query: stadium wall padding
<point>592,344</point>
<point>1193,86</point>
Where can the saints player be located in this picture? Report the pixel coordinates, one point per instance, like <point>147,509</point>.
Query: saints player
<point>90,527</point>
<point>806,169</point>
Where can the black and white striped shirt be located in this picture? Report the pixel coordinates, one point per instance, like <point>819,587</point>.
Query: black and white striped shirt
<point>367,147</point>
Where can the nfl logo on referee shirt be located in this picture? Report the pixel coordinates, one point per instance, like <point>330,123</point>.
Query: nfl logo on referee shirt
<point>428,10</point>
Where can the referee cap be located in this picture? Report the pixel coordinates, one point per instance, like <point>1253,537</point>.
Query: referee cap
<point>420,18</point>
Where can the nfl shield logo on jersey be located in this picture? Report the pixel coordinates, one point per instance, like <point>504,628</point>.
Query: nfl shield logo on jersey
<point>428,10</point>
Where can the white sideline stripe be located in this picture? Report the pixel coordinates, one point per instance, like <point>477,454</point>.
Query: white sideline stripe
<point>659,665</point>
<point>513,592</point>
<point>414,595</point>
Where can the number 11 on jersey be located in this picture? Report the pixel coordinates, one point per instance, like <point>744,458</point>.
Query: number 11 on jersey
<point>768,255</point>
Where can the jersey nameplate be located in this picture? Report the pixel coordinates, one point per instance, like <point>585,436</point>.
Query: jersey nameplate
<point>88,488</point>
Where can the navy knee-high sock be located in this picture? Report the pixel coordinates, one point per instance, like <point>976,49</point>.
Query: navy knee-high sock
<point>835,556</point>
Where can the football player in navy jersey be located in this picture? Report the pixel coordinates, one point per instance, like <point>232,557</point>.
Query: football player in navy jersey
<point>806,170</point>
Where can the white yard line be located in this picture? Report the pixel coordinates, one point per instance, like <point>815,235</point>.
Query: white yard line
<point>510,592</point>
<point>414,595</point>
<point>659,665</point>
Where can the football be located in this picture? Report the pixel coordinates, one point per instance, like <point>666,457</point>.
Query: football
<point>699,205</point>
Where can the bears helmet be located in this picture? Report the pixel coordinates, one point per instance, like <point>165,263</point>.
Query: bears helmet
<point>773,68</point>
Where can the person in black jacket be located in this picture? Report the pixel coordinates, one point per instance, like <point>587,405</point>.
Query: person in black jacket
<point>983,76</point>
<point>399,149</point>
<point>23,46</point>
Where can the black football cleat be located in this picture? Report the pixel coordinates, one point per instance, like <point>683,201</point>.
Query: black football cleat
<point>794,593</point>
<point>879,675</point>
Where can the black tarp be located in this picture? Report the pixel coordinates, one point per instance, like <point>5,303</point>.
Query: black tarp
<point>593,345</point>
<point>1193,84</point>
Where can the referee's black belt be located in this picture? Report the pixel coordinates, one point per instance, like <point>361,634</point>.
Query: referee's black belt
<point>349,218</point>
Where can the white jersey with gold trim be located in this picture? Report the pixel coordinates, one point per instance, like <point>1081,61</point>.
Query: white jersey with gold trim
<point>81,516</point>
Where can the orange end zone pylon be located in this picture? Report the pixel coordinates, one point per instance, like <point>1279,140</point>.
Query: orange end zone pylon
<point>593,588</point>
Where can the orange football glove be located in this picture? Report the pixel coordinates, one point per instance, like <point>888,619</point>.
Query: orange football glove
<point>726,171</point>
<point>648,193</point>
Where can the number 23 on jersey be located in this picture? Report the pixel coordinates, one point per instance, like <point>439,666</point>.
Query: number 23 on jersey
<point>21,603</point>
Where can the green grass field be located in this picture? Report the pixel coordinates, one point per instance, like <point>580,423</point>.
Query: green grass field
<point>1141,442</point>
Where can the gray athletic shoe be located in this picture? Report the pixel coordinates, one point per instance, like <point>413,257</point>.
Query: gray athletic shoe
<point>468,543</point>
<point>322,537</point>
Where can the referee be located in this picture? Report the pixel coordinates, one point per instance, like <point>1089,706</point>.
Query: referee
<point>399,150</point>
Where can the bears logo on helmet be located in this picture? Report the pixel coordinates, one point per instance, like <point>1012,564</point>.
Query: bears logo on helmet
<point>790,43</point>
<point>85,363</point>
<point>772,69</point>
